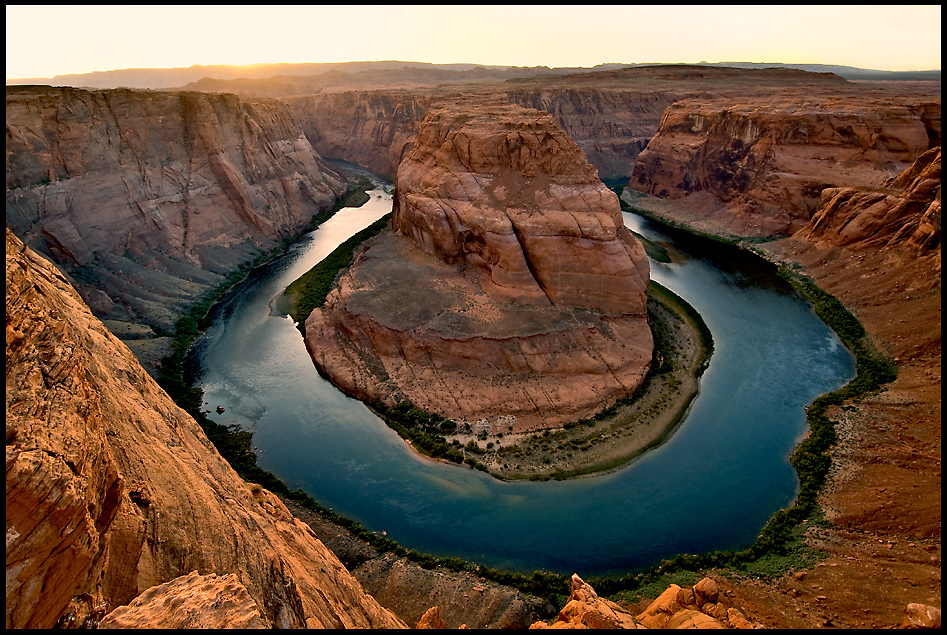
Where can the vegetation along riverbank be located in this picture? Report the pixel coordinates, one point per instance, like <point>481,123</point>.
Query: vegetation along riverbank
<point>778,549</point>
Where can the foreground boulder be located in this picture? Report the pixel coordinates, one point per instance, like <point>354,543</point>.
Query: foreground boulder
<point>693,607</point>
<point>191,601</point>
<point>510,290</point>
<point>112,489</point>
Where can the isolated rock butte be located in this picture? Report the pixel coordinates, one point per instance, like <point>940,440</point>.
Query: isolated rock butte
<point>510,288</point>
<point>112,489</point>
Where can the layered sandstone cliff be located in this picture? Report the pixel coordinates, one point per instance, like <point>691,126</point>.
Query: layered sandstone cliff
<point>757,165</point>
<point>377,128</point>
<point>147,198</point>
<point>612,126</point>
<point>374,129</point>
<point>510,289</point>
<point>112,489</point>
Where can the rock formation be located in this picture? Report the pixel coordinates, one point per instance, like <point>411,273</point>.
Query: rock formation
<point>190,601</point>
<point>460,597</point>
<point>147,198</point>
<point>695,607</point>
<point>758,166</point>
<point>873,241</point>
<point>903,212</point>
<point>510,289</point>
<point>375,129</point>
<point>112,489</point>
<point>611,126</point>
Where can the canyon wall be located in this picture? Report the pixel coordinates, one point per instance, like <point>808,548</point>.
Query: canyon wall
<point>611,126</point>
<point>112,489</point>
<point>757,165</point>
<point>374,129</point>
<point>377,129</point>
<point>511,290</point>
<point>147,198</point>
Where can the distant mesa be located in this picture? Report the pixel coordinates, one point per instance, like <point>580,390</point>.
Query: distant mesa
<point>509,290</point>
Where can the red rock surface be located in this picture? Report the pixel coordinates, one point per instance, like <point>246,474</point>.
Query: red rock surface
<point>511,289</point>
<point>904,212</point>
<point>757,166</point>
<point>505,192</point>
<point>877,249</point>
<point>154,194</point>
<point>699,606</point>
<point>191,601</point>
<point>112,489</point>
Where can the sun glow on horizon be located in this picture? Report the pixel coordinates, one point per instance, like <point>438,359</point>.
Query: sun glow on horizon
<point>83,39</point>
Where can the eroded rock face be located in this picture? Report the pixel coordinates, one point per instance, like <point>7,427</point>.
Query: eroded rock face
<point>904,212</point>
<point>378,128</point>
<point>459,598</point>
<point>112,489</point>
<point>150,196</point>
<point>505,192</point>
<point>374,129</point>
<point>611,126</point>
<point>758,167</point>
<point>510,291</point>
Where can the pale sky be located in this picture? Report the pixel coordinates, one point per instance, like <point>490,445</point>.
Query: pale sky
<point>44,40</point>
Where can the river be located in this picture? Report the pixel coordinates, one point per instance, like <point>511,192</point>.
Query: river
<point>712,485</point>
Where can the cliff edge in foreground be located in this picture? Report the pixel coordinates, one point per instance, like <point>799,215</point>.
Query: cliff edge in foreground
<point>509,292</point>
<point>112,489</point>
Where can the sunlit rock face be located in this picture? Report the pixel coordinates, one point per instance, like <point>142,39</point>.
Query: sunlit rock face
<point>512,196</point>
<point>510,289</point>
<point>112,489</point>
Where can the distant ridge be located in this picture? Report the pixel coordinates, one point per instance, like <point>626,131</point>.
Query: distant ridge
<point>157,78</point>
<point>163,78</point>
<point>846,72</point>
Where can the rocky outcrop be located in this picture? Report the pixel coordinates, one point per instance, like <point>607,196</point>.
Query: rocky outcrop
<point>921,616</point>
<point>757,166</point>
<point>511,289</point>
<point>695,607</point>
<point>112,489</point>
<point>147,198</point>
<point>191,601</point>
<point>904,212</point>
<point>378,128</point>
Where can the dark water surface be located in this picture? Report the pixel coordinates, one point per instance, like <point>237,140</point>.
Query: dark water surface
<point>712,485</point>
